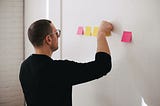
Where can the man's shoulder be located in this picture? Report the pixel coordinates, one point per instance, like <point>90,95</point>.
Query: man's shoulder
<point>26,60</point>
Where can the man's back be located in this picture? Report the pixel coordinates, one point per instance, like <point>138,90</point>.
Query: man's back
<point>43,85</point>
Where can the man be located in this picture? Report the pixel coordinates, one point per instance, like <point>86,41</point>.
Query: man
<point>48,82</point>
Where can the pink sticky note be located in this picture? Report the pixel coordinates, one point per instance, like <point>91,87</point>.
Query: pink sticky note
<point>80,30</point>
<point>127,36</point>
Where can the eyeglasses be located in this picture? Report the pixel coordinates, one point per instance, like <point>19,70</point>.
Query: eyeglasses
<point>58,33</point>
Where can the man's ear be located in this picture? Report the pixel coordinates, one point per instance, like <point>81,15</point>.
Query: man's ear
<point>48,39</point>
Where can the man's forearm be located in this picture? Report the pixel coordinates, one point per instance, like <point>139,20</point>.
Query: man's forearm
<point>102,44</point>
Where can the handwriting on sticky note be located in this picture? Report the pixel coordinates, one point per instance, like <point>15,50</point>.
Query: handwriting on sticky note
<point>87,31</point>
<point>127,36</point>
<point>95,31</point>
<point>80,30</point>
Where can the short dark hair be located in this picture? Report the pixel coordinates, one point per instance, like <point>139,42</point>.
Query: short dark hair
<point>38,30</point>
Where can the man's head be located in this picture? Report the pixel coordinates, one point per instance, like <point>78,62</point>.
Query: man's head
<point>43,32</point>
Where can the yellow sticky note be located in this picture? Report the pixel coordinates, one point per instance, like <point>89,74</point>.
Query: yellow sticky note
<point>87,31</point>
<point>108,34</point>
<point>95,31</point>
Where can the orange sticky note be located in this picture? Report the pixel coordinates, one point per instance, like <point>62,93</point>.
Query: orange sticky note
<point>80,30</point>
<point>127,36</point>
<point>87,31</point>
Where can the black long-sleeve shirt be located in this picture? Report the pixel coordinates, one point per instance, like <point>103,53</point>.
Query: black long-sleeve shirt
<point>48,82</point>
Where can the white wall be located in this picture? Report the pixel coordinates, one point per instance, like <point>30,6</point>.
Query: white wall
<point>135,73</point>
<point>136,65</point>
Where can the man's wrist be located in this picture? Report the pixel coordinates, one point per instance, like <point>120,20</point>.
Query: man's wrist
<point>101,33</point>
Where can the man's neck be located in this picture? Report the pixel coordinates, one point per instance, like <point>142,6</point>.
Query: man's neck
<point>44,51</point>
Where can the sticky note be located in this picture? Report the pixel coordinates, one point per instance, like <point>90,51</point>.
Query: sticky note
<point>108,33</point>
<point>80,30</point>
<point>127,36</point>
<point>87,31</point>
<point>95,31</point>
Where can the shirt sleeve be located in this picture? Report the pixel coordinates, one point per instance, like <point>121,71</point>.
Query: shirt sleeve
<point>83,72</point>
